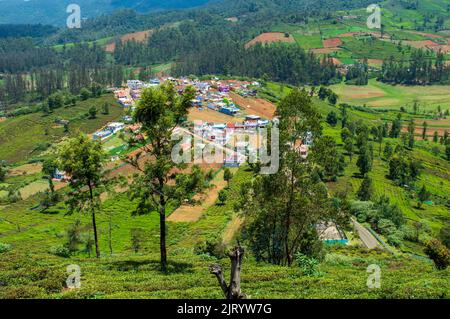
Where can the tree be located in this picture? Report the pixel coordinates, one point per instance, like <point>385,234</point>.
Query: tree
<point>332,98</point>
<point>447,151</point>
<point>332,118</point>
<point>325,154</point>
<point>349,148</point>
<point>365,192</point>
<point>435,137</point>
<point>3,172</point>
<point>364,162</point>
<point>424,130</point>
<point>222,196</point>
<point>388,151</point>
<point>444,236</point>
<point>137,237</point>
<point>423,196</point>
<point>282,209</point>
<point>85,94</point>
<point>92,112</point>
<point>345,134</point>
<point>233,289</point>
<point>82,159</point>
<point>160,111</point>
<point>105,108</point>
<point>438,253</point>
<point>227,176</point>
<point>411,131</point>
<point>49,167</point>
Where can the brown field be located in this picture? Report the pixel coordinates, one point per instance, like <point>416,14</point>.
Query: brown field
<point>444,48</point>
<point>436,123</point>
<point>428,35</point>
<point>209,116</point>
<point>270,37</point>
<point>259,107</point>
<point>140,36</point>
<point>332,43</point>
<point>27,169</point>
<point>421,44</point>
<point>430,130</point>
<point>336,61</point>
<point>352,34</point>
<point>325,50</point>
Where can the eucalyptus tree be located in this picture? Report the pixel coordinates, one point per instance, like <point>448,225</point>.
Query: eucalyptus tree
<point>161,183</point>
<point>82,159</point>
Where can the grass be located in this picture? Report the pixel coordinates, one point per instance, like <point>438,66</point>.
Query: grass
<point>24,137</point>
<point>381,95</point>
<point>29,271</point>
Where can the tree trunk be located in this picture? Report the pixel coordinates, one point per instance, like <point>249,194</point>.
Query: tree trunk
<point>94,224</point>
<point>162,238</point>
<point>233,290</point>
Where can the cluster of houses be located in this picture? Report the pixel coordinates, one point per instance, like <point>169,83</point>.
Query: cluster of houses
<point>221,133</point>
<point>109,130</point>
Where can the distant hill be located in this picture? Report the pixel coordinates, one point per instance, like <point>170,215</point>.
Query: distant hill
<point>54,11</point>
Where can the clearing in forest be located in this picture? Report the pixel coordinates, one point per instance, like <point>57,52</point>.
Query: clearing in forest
<point>271,37</point>
<point>140,36</point>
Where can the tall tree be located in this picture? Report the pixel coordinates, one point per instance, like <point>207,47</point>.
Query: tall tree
<point>159,111</point>
<point>82,159</point>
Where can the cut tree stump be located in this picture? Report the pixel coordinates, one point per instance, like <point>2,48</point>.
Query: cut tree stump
<point>233,290</point>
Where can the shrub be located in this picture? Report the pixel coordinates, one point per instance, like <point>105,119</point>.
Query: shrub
<point>60,251</point>
<point>438,253</point>
<point>4,247</point>
<point>212,246</point>
<point>395,239</point>
<point>137,237</point>
<point>307,264</point>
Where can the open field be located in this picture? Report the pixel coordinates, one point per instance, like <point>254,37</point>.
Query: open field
<point>381,95</point>
<point>260,107</point>
<point>140,36</point>
<point>26,169</point>
<point>270,37</point>
<point>22,144</point>
<point>209,116</point>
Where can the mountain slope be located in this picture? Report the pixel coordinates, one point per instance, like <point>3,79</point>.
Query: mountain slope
<point>54,11</point>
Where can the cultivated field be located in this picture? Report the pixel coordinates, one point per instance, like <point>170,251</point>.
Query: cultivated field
<point>382,95</point>
<point>270,37</point>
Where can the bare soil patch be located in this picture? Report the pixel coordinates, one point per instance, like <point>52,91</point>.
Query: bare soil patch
<point>192,213</point>
<point>421,44</point>
<point>325,50</point>
<point>270,37</point>
<point>259,107</point>
<point>140,36</point>
<point>331,43</point>
<point>210,116</point>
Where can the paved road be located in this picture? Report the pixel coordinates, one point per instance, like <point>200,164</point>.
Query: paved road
<point>366,237</point>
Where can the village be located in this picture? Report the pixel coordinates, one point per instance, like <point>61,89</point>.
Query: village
<point>225,113</point>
